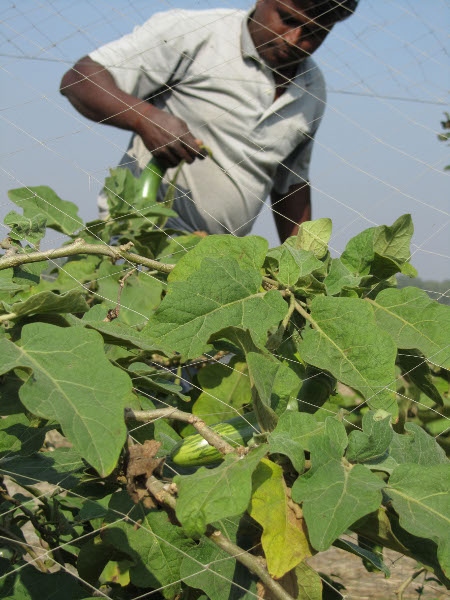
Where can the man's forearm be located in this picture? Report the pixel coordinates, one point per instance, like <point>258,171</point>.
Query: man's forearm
<point>291,209</point>
<point>91,89</point>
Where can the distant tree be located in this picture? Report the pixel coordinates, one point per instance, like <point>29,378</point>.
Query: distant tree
<point>445,137</point>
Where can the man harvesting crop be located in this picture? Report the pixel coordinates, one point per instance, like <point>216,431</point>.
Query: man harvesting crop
<point>243,83</point>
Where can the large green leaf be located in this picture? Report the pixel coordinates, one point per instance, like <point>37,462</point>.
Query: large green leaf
<point>63,467</point>
<point>373,441</point>
<point>380,251</point>
<point>421,498</point>
<point>314,236</point>
<point>30,584</point>
<point>24,229</point>
<point>219,295</point>
<point>292,434</point>
<point>72,383</point>
<point>414,446</point>
<point>273,385</point>
<point>47,303</point>
<point>248,251</point>
<point>226,389</point>
<point>334,497</point>
<point>155,545</point>
<point>140,295</point>
<point>215,572</point>
<point>212,494</point>
<point>41,200</point>
<point>346,341</point>
<point>415,321</point>
<point>340,276</point>
<point>284,538</point>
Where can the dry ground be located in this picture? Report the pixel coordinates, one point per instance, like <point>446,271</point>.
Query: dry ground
<point>348,570</point>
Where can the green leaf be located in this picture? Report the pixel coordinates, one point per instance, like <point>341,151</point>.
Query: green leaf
<point>414,446</point>
<point>219,295</point>
<point>215,572</point>
<point>416,369</point>
<point>346,342</point>
<point>19,436</point>
<point>212,494</point>
<point>72,383</point>
<point>30,584</point>
<point>309,583</point>
<point>125,197</point>
<point>249,252</point>
<point>288,264</point>
<point>314,236</point>
<point>415,321</point>
<point>141,293</point>
<point>394,241</point>
<point>339,277</point>
<point>63,467</point>
<point>334,497</point>
<point>226,389</point>
<point>267,393</point>
<point>373,441</point>
<point>117,333</point>
<point>374,559</point>
<point>41,200</point>
<point>421,498</point>
<point>47,303</point>
<point>24,229</point>
<point>379,248</point>
<point>292,435</point>
<point>316,389</point>
<point>7,285</point>
<point>155,545</point>
<point>283,539</point>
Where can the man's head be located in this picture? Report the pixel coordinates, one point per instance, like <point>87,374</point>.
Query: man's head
<point>287,31</point>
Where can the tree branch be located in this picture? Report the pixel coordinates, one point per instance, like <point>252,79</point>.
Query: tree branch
<point>79,246</point>
<point>213,439</point>
<point>162,494</point>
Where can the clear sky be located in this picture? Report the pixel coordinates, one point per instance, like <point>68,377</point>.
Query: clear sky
<point>376,156</point>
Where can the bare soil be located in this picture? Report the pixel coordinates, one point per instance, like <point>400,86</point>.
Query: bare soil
<point>348,570</point>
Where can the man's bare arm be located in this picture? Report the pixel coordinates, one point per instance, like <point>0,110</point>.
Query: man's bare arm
<point>291,209</point>
<point>92,90</point>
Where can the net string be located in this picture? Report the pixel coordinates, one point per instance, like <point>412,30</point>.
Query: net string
<point>424,242</point>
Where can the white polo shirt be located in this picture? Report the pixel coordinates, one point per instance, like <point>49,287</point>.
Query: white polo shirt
<point>202,66</point>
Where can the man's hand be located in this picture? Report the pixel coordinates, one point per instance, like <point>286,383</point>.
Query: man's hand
<point>92,90</point>
<point>168,138</point>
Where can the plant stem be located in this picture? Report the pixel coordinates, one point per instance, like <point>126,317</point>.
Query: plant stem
<point>146,416</point>
<point>79,246</point>
<point>14,539</point>
<point>402,588</point>
<point>161,493</point>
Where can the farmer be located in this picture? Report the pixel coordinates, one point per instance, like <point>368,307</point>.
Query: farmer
<point>241,83</point>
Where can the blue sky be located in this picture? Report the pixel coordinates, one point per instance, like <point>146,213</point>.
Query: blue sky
<point>376,156</point>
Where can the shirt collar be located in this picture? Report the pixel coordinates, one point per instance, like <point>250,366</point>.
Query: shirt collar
<point>247,46</point>
<point>248,50</point>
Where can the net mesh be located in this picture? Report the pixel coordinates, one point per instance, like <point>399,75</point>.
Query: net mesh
<point>376,156</point>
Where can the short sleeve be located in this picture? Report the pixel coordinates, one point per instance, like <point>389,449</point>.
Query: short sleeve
<point>152,55</point>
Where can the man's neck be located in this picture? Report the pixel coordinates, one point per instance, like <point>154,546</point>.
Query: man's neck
<point>282,79</point>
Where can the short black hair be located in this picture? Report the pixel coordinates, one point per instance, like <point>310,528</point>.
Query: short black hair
<point>340,9</point>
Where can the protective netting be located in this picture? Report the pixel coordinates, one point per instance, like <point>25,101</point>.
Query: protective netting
<point>376,156</point>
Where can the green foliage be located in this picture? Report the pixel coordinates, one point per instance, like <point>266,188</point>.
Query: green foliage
<point>111,355</point>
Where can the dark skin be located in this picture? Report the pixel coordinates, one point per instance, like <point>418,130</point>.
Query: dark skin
<point>284,33</point>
